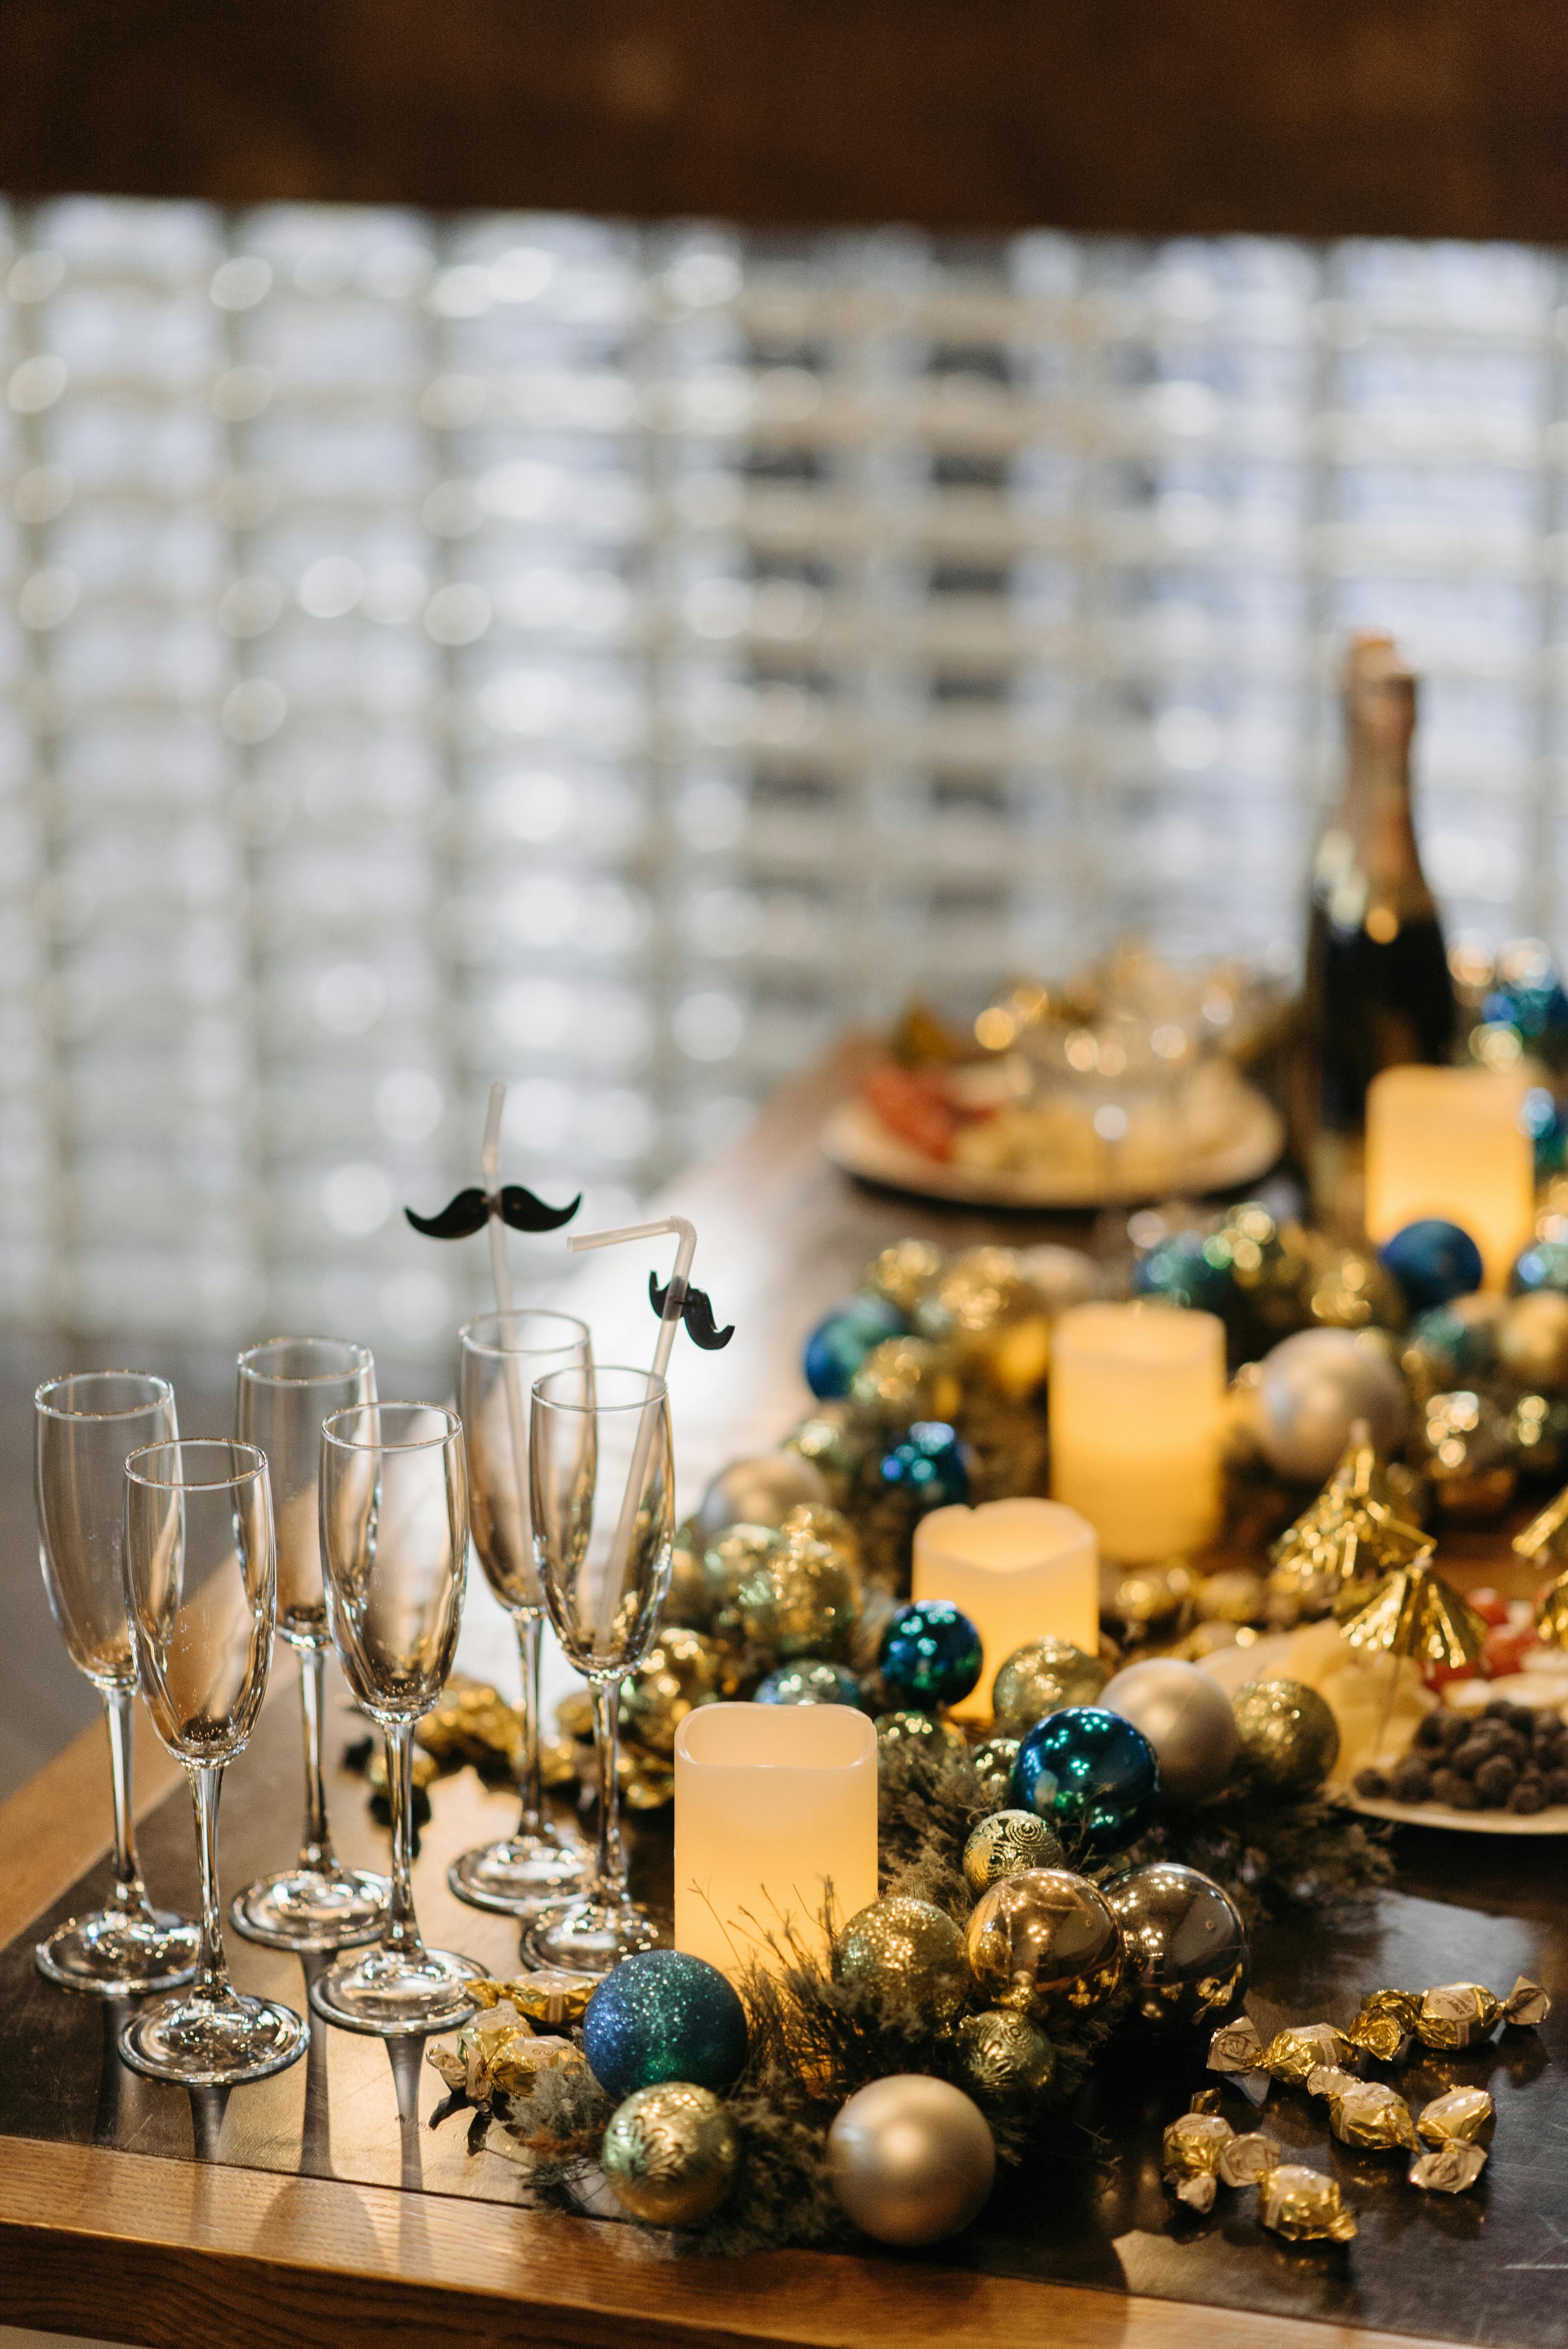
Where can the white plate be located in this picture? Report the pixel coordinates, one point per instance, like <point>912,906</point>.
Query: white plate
<point>856,1139</point>
<point>1552,1820</point>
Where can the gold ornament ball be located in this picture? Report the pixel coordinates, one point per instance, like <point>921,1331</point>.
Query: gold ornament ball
<point>910,1950</point>
<point>905,1379</point>
<point>802,1600</point>
<point>992,1317</point>
<point>814,1522</point>
<point>1043,1676</point>
<point>832,1442</point>
<point>921,1730</point>
<point>1003,2055</point>
<point>911,2158</point>
<point>1042,1943</point>
<point>904,1273</point>
<point>1290,1738</point>
<point>689,1600</point>
<point>670,2155</point>
<point>1350,1289</point>
<point>758,1492</point>
<point>992,1759</point>
<point>1234,1595</point>
<point>1461,1444</point>
<point>737,1553</point>
<point>1005,1842</point>
<point>680,1671</point>
<point>1533,1339</point>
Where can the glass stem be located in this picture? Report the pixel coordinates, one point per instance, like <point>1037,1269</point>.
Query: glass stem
<point>402,1929</point>
<point>530,1638</point>
<point>211,1972</point>
<point>129,1892</point>
<point>610,1869</point>
<point>316,1851</point>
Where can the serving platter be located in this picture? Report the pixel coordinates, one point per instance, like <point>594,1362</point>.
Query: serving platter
<point>1552,1821</point>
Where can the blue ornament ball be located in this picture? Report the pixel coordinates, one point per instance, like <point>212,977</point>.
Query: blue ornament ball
<point>1432,1261</point>
<point>809,1680</point>
<point>1190,1268</point>
<point>662,2015</point>
<point>840,1344</point>
<point>930,1655</point>
<point>1092,1773</point>
<point>928,1464</point>
<point>1544,1265</point>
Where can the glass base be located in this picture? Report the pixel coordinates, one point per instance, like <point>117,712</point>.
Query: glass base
<point>204,2042</point>
<point>391,1996</point>
<point>592,1937</point>
<point>119,1952</point>
<point>523,1876</point>
<point>313,1909</point>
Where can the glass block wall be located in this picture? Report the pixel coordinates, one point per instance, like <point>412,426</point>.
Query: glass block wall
<point>618,659</point>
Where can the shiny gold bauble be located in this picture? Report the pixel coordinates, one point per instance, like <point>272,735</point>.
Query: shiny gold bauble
<point>993,1759</point>
<point>992,1317</point>
<point>1146,1600</point>
<point>1461,1444</point>
<point>1290,1738</point>
<point>814,1522</point>
<point>833,1441</point>
<point>1003,2055</point>
<point>904,1273</point>
<point>1043,1676</point>
<point>906,1379</point>
<point>921,1730</point>
<point>739,1551</point>
<point>1005,1842</point>
<point>910,1952</point>
<point>1234,1595</point>
<point>690,1602</point>
<point>1533,1341</point>
<point>680,1671</point>
<point>670,2155</point>
<point>1044,1944</point>
<point>1350,1289</point>
<point>800,1600</point>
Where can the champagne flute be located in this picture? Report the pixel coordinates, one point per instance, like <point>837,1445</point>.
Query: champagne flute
<point>602,1489</point>
<point>201,1589</point>
<point>285,1389</point>
<point>83,1425</point>
<point>394,1543</point>
<point>502,1354</point>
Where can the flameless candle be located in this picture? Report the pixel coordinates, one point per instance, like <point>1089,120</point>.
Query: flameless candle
<point>1135,1400</point>
<point>1449,1143</point>
<point>1020,1569</point>
<point>773,1803</point>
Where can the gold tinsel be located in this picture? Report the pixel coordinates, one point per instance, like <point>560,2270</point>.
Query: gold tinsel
<point>1353,1529</point>
<point>1545,1542</point>
<point>1413,1612</point>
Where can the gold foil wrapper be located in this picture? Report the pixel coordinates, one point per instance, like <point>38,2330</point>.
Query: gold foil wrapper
<point>1527,2005</point>
<point>1304,2206</point>
<point>1365,2113</point>
<point>1456,2015</point>
<point>552,1996</point>
<point>1383,2023</point>
<point>498,2054</point>
<point>1236,2046</point>
<point>1294,2055</point>
<point>1449,2171</point>
<point>1189,2156</point>
<point>473,1723</point>
<point>1463,2117</point>
<point>1329,2080</point>
<point>1248,2160</point>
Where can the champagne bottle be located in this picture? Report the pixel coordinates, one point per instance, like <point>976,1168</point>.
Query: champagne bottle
<point>1379,991</point>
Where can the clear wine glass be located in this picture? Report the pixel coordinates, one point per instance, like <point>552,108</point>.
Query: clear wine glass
<point>394,1542</point>
<point>502,1354</point>
<point>602,1490</point>
<point>201,1588</point>
<point>285,1389</point>
<point>83,1425</point>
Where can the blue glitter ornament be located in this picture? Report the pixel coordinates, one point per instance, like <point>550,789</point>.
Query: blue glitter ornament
<point>930,1655</point>
<point>662,2015</point>
<point>1092,1773</point>
<point>928,1464</point>
<point>840,1344</point>
<point>1544,1265</point>
<point>1191,1268</point>
<point>1432,1261</point>
<point>808,1681</point>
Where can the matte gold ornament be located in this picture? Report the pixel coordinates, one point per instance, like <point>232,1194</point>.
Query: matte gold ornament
<point>802,1599</point>
<point>679,1672</point>
<point>911,2158</point>
<point>1042,1677</point>
<point>906,1379</point>
<point>910,1951</point>
<point>1289,1737</point>
<point>1005,1842</point>
<point>1003,2055</point>
<point>992,1759</point>
<point>1415,1613</point>
<point>1533,1339</point>
<point>670,2155</point>
<point>1042,1943</point>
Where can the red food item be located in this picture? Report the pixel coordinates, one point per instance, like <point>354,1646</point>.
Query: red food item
<point>1505,1650</point>
<point>1489,1606</point>
<point>1437,1676</point>
<point>914,1103</point>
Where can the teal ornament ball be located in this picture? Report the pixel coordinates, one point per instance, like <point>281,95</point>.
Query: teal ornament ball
<point>1092,1774</point>
<point>928,1465</point>
<point>840,1344</point>
<point>1190,1268</point>
<point>1432,1260</point>
<point>660,2016</point>
<point>809,1680</point>
<point>1543,1265</point>
<point>930,1655</point>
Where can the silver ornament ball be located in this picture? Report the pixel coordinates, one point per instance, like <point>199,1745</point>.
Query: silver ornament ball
<point>1188,1962</point>
<point>1311,1390</point>
<point>761,1492</point>
<point>1187,1718</point>
<point>912,2160</point>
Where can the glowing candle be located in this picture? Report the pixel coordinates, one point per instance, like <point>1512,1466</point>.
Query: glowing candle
<point>1020,1569</point>
<point>773,1803</point>
<point>1135,1400</point>
<point>1449,1143</point>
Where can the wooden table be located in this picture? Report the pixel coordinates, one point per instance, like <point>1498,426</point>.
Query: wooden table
<point>319,2208</point>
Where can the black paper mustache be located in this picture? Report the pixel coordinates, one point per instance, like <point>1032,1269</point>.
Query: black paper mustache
<point>696,1312</point>
<point>469,1212</point>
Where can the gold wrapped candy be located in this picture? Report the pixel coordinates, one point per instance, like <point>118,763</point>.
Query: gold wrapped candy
<point>498,2054</point>
<point>1462,2116</point>
<point>1367,2114</point>
<point>1450,2169</point>
<point>1236,2047</point>
<point>1248,2160</point>
<point>1382,2025</point>
<point>552,1995</point>
<point>1293,2055</point>
<point>1304,2206</point>
<point>1191,2150</point>
<point>1456,2015</point>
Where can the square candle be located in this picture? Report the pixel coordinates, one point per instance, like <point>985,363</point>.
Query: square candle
<point>1135,1407</point>
<point>1449,1143</point>
<point>774,1803</point>
<point>1020,1569</point>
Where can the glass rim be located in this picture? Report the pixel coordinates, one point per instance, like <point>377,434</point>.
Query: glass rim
<point>422,1444</point>
<point>473,1345</point>
<point>131,1411</point>
<point>255,1466</point>
<point>244,1363</point>
<point>657,1390</point>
